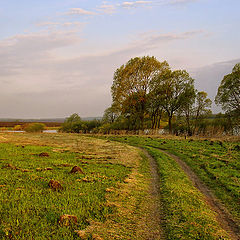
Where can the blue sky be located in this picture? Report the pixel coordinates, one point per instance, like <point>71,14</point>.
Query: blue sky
<point>58,57</point>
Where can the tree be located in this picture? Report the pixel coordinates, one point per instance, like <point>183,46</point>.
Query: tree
<point>131,81</point>
<point>228,95</point>
<point>202,107</point>
<point>154,109</point>
<point>175,89</point>
<point>195,110</point>
<point>72,124</point>
<point>110,115</point>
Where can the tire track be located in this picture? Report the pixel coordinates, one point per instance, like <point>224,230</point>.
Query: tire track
<point>224,218</point>
<point>155,216</point>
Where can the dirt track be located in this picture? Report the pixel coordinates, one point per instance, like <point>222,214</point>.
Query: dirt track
<point>223,216</point>
<point>154,218</point>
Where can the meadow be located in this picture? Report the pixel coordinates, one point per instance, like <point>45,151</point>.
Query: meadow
<point>217,163</point>
<point>112,196</point>
<point>98,199</point>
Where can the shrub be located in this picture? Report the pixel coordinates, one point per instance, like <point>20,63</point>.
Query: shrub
<point>17,128</point>
<point>35,127</point>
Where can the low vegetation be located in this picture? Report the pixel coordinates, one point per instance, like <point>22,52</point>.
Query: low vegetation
<point>42,195</point>
<point>186,215</point>
<point>215,162</point>
<point>34,127</point>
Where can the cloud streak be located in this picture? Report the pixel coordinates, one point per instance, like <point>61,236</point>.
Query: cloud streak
<point>80,11</point>
<point>135,4</point>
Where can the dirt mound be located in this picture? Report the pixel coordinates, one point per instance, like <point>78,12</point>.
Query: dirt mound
<point>55,185</point>
<point>67,220</point>
<point>76,169</point>
<point>43,154</point>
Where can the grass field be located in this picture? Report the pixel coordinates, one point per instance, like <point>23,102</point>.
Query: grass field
<point>114,183</point>
<point>217,163</point>
<point>112,198</point>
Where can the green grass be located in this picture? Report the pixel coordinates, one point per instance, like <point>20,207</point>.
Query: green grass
<point>186,214</point>
<point>216,163</point>
<point>29,209</point>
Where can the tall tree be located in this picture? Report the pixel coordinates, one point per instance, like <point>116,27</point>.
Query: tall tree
<point>131,82</point>
<point>195,110</point>
<point>228,95</point>
<point>175,89</point>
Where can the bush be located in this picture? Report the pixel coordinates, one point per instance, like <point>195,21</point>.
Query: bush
<point>35,127</point>
<point>17,128</point>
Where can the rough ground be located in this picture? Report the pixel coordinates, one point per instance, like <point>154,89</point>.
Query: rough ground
<point>223,216</point>
<point>155,214</point>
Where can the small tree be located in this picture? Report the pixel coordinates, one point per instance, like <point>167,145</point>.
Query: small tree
<point>72,124</point>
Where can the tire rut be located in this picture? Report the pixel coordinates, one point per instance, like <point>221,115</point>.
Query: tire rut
<point>224,218</point>
<point>155,216</point>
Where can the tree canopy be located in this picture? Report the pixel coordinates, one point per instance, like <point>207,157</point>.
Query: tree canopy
<point>228,95</point>
<point>131,85</point>
<point>174,90</point>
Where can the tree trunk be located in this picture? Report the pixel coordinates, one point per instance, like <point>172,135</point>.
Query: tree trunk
<point>170,124</point>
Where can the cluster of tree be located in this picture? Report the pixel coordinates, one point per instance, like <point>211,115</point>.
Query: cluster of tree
<point>146,93</point>
<point>74,124</point>
<point>228,96</point>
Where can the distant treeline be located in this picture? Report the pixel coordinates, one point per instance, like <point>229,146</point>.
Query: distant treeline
<point>13,124</point>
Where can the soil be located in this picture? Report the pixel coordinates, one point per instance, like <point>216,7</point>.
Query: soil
<point>224,218</point>
<point>155,218</point>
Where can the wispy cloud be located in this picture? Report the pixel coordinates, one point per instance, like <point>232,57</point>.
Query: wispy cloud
<point>31,64</point>
<point>80,11</point>
<point>56,25</point>
<point>178,2</point>
<point>107,8</point>
<point>134,4</point>
<point>151,40</point>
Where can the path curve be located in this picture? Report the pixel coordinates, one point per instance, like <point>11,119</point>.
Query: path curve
<point>223,216</point>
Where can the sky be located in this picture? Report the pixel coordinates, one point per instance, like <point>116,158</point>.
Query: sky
<point>58,57</point>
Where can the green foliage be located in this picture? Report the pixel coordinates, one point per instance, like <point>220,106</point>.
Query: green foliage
<point>131,85</point>
<point>34,127</point>
<point>17,128</point>
<point>144,89</point>
<point>228,95</point>
<point>74,124</point>
<point>174,89</point>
